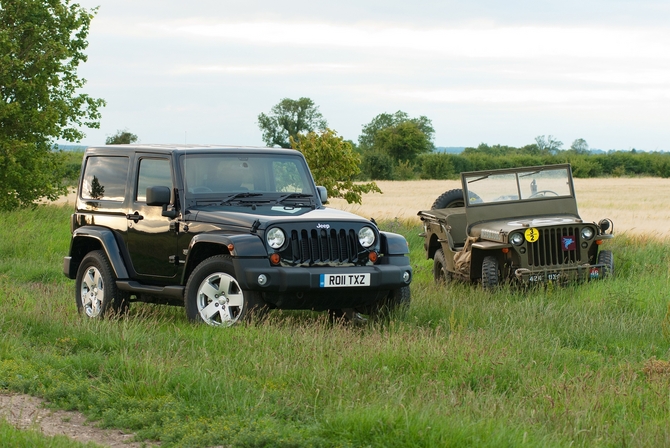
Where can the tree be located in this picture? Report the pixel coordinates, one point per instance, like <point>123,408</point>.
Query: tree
<point>548,145</point>
<point>287,119</point>
<point>403,141</point>
<point>334,164</point>
<point>385,120</point>
<point>122,137</point>
<point>41,46</point>
<point>580,146</point>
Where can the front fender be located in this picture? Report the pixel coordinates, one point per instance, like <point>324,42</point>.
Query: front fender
<point>243,245</point>
<point>205,245</point>
<point>393,244</point>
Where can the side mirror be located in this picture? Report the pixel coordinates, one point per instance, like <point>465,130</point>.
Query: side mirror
<point>323,194</point>
<point>160,196</point>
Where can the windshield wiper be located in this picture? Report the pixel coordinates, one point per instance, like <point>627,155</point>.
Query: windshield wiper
<point>281,199</point>
<point>530,174</point>
<point>244,194</point>
<point>478,179</point>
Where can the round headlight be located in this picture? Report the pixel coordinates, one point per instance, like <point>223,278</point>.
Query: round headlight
<point>366,236</point>
<point>276,238</point>
<point>516,239</point>
<point>587,233</point>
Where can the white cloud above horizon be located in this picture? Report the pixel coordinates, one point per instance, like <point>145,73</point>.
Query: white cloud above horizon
<point>207,72</point>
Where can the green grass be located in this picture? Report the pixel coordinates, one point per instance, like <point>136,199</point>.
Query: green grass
<point>580,365</point>
<point>31,438</point>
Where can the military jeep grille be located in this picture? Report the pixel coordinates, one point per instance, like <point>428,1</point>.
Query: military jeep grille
<point>548,249</point>
<point>322,246</point>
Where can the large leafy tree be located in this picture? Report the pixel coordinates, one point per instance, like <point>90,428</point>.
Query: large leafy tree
<point>403,141</point>
<point>41,46</point>
<point>334,164</point>
<point>287,119</point>
<point>383,121</point>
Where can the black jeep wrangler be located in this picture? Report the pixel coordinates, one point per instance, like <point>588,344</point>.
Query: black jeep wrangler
<point>223,231</point>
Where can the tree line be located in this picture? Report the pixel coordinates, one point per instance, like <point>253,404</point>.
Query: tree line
<point>42,44</point>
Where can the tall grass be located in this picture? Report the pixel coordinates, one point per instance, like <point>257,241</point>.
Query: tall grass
<point>579,365</point>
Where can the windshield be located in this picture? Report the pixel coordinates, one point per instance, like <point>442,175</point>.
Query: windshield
<point>533,184</point>
<point>223,175</point>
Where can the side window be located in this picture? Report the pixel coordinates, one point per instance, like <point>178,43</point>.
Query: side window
<point>152,173</point>
<point>105,178</point>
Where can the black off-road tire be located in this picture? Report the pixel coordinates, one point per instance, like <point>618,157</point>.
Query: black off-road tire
<point>607,258</point>
<point>440,273</point>
<point>214,296</point>
<point>96,293</point>
<point>490,273</point>
<point>449,199</point>
<point>454,198</point>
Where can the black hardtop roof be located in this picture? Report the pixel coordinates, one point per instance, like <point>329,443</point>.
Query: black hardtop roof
<point>166,148</point>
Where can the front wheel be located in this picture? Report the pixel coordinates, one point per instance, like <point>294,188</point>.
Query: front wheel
<point>96,292</point>
<point>490,273</point>
<point>440,272</point>
<point>214,296</point>
<point>607,258</point>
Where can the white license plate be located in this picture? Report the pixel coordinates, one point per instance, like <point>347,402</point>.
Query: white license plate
<point>344,280</point>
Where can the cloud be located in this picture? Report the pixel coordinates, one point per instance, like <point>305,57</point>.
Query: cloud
<point>494,42</point>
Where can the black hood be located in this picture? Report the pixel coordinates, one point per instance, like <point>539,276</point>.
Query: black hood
<point>266,215</point>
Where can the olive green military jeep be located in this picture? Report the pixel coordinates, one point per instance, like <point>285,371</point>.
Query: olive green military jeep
<point>518,224</point>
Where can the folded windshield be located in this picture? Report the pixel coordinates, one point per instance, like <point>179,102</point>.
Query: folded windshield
<point>522,185</point>
<point>234,176</point>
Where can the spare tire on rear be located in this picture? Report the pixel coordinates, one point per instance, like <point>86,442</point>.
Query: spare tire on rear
<point>450,199</point>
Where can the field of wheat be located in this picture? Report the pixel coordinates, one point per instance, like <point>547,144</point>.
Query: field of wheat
<point>637,206</point>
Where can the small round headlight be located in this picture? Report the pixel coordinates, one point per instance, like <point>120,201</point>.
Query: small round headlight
<point>366,236</point>
<point>516,239</point>
<point>587,233</point>
<point>276,238</point>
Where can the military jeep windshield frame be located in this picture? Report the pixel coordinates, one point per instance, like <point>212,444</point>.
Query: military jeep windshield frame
<point>518,186</point>
<point>515,193</point>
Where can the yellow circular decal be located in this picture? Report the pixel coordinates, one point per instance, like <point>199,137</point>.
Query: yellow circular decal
<point>532,235</point>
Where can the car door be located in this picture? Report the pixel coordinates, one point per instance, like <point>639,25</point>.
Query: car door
<point>152,240</point>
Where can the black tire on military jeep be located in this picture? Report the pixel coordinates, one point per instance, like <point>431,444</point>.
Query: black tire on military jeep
<point>607,258</point>
<point>440,273</point>
<point>96,293</point>
<point>452,199</point>
<point>490,273</point>
<point>214,296</point>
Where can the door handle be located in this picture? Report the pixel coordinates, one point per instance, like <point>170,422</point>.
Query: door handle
<point>135,217</point>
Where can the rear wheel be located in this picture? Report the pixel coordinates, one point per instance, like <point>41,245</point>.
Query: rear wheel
<point>214,296</point>
<point>440,273</point>
<point>607,258</point>
<point>490,273</point>
<point>96,293</point>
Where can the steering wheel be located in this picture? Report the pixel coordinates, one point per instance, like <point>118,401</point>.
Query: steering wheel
<point>202,190</point>
<point>543,193</point>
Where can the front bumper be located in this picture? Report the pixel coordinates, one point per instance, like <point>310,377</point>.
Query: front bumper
<point>573,273</point>
<point>387,275</point>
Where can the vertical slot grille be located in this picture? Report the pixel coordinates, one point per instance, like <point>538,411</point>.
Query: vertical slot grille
<point>322,246</point>
<point>549,250</point>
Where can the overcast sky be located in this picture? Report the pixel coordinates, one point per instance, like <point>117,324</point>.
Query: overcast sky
<point>482,71</point>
